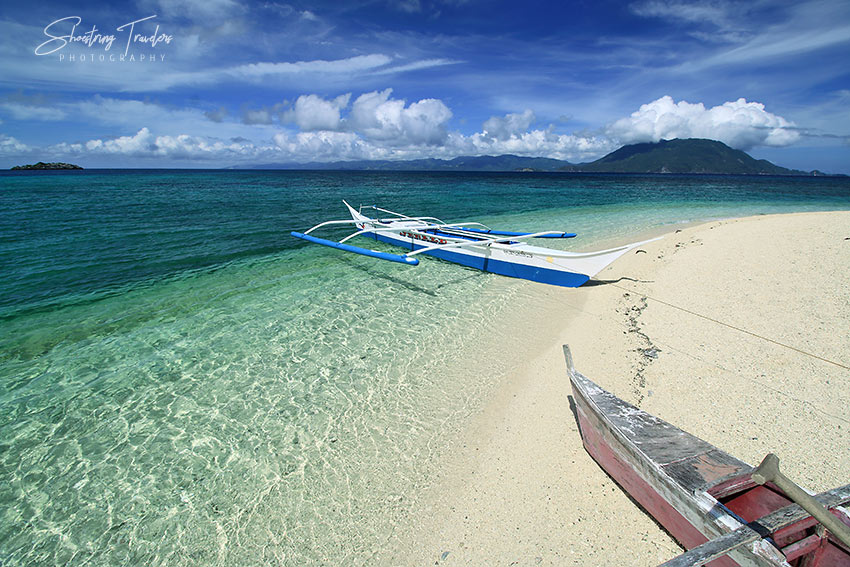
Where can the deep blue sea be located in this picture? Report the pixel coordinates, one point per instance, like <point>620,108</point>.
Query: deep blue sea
<point>183,383</point>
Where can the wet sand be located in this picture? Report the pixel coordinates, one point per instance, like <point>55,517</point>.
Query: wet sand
<point>734,330</point>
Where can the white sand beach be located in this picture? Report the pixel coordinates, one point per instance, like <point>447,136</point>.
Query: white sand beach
<point>737,331</point>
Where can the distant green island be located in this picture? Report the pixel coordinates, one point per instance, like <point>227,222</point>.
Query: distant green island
<point>691,156</point>
<point>52,165</point>
<point>688,156</point>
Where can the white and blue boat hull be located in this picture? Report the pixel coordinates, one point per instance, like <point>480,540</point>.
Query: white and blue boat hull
<point>487,260</point>
<point>498,252</point>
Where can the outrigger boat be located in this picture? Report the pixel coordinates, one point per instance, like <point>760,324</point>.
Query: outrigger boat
<point>471,244</point>
<point>723,510</point>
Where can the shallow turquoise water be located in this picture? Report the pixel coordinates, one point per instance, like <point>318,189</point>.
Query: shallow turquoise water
<point>181,383</point>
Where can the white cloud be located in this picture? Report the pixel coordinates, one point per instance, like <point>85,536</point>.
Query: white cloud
<point>369,112</point>
<point>20,111</point>
<point>502,128</point>
<point>739,124</point>
<point>727,22</point>
<point>319,69</point>
<point>543,143</point>
<point>129,113</point>
<point>424,121</point>
<point>378,117</point>
<point>10,146</point>
<point>323,146</point>
<point>312,112</point>
<point>183,146</point>
<point>696,12</point>
<point>807,26</point>
<point>139,144</point>
<point>417,65</point>
<point>783,44</point>
<point>193,147</point>
<point>348,65</point>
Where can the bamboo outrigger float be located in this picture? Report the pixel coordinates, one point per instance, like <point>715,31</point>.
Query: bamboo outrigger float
<point>723,510</point>
<point>471,244</point>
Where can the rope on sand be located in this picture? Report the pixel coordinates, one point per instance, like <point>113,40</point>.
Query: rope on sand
<point>739,329</point>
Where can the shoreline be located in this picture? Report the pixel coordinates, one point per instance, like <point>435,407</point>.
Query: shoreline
<point>698,328</point>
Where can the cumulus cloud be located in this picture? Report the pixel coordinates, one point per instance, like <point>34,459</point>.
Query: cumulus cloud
<point>193,147</point>
<point>502,128</point>
<point>11,146</point>
<point>312,112</point>
<point>424,121</point>
<point>323,145</point>
<point>139,144</point>
<point>545,143</point>
<point>183,146</point>
<point>739,124</point>
<point>378,117</point>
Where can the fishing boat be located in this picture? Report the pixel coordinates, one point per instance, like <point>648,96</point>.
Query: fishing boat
<point>723,510</point>
<point>470,244</point>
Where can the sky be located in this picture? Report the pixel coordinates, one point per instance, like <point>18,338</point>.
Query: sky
<point>226,83</point>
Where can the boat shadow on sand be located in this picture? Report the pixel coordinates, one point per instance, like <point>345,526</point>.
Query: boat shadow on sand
<point>625,492</point>
<point>594,282</point>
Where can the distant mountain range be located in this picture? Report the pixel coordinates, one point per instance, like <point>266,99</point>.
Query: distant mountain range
<point>463,163</point>
<point>691,156</point>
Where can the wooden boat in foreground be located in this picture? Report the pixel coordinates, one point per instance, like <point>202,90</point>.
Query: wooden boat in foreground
<point>708,500</point>
<point>471,244</point>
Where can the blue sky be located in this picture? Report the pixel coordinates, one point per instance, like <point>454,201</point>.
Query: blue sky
<point>215,83</point>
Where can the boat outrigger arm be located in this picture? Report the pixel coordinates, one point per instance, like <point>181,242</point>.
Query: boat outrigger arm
<point>470,244</point>
<point>400,258</point>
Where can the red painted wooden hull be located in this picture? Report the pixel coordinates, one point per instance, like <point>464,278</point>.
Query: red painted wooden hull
<point>660,509</point>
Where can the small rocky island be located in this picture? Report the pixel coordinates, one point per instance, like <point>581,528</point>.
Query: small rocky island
<point>53,165</point>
